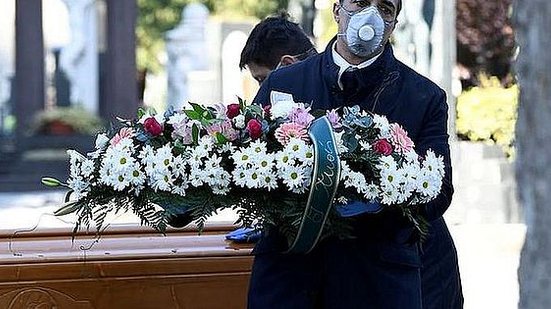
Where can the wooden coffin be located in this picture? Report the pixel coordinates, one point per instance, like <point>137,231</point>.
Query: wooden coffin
<point>129,267</point>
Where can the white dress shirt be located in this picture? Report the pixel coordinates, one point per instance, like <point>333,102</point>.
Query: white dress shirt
<point>345,65</point>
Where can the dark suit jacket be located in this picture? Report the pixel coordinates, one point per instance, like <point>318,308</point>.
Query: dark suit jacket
<point>390,88</point>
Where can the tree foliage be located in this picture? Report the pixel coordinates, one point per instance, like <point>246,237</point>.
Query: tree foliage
<point>158,16</point>
<point>485,41</point>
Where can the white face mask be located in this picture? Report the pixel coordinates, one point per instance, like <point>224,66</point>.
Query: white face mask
<point>365,32</point>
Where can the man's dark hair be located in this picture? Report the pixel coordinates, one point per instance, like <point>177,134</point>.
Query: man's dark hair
<point>273,38</point>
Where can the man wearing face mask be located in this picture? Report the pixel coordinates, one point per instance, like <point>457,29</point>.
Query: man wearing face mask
<point>384,266</point>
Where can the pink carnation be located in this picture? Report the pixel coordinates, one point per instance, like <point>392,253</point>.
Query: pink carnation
<point>122,134</point>
<point>301,116</point>
<point>290,130</point>
<point>400,139</point>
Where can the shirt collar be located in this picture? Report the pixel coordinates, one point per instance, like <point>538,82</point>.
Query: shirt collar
<point>345,65</point>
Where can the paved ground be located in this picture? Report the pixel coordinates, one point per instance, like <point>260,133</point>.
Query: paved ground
<point>488,253</point>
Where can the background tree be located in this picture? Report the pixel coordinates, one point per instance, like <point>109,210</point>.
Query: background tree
<point>534,149</point>
<point>155,17</point>
<point>485,41</point>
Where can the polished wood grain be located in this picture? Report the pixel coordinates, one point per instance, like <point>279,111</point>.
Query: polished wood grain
<point>129,267</point>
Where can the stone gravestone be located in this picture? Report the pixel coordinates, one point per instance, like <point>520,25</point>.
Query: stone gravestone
<point>79,60</point>
<point>232,77</point>
<point>187,52</point>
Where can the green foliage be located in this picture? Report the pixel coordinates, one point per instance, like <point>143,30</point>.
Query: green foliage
<point>156,17</point>
<point>77,118</point>
<point>485,38</point>
<point>488,113</point>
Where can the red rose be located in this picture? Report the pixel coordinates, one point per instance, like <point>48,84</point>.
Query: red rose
<point>152,126</point>
<point>255,128</point>
<point>383,147</point>
<point>233,110</point>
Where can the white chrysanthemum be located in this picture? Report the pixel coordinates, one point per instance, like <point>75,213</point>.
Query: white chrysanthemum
<point>258,147</point>
<point>372,192</point>
<point>264,162</point>
<point>222,186</point>
<point>206,143</point>
<point>308,171</point>
<point>239,177</point>
<point>411,156</point>
<point>403,196</point>
<point>293,177</point>
<point>383,125</point>
<point>105,174</point>
<point>213,162</point>
<point>179,166</point>
<point>365,146</point>
<point>391,178</point>
<point>75,157</point>
<point>434,163</point>
<point>356,180</point>
<point>180,189</point>
<point>147,154</point>
<point>345,171</point>
<point>197,177</point>
<point>136,176</point>
<point>162,183</point>
<point>242,158</point>
<point>269,181</point>
<point>342,200</point>
<point>252,178</point>
<point>387,162</point>
<point>341,148</point>
<point>121,181</point>
<point>428,186</point>
<point>309,155</point>
<point>78,184</point>
<point>297,148</point>
<point>390,196</point>
<point>283,160</point>
<point>122,161</point>
<point>410,172</point>
<point>164,156</point>
<point>125,144</point>
<point>87,168</point>
<point>227,147</point>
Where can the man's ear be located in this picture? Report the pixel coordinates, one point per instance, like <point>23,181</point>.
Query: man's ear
<point>287,60</point>
<point>336,8</point>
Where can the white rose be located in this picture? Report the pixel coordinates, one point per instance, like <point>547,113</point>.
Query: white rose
<point>282,109</point>
<point>239,121</point>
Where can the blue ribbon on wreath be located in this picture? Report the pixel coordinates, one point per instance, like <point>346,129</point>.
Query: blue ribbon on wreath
<point>325,180</point>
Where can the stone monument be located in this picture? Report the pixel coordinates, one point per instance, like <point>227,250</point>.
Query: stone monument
<point>79,59</point>
<point>186,47</point>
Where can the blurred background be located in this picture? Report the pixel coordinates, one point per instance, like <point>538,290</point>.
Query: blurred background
<point>68,67</point>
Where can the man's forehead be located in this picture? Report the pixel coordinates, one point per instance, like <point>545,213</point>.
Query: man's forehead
<point>395,3</point>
